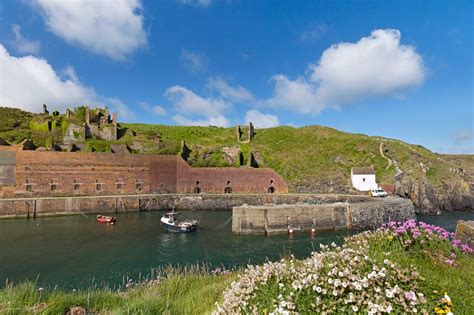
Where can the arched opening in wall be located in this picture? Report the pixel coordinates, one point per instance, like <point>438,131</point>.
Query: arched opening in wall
<point>138,185</point>
<point>197,189</point>
<point>98,185</point>
<point>271,188</point>
<point>228,189</point>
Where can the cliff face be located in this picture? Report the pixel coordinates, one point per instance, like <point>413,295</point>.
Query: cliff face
<point>453,196</point>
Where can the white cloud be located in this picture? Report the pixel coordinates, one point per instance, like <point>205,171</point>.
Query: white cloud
<point>196,3</point>
<point>219,121</point>
<point>261,120</point>
<point>157,110</point>
<point>193,61</point>
<point>237,94</point>
<point>30,82</point>
<point>23,45</point>
<point>186,101</point>
<point>111,29</point>
<point>375,66</point>
<point>316,31</point>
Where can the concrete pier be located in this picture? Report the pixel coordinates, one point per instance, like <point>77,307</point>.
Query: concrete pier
<point>271,219</point>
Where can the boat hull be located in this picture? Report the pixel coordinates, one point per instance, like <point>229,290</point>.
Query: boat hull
<point>179,229</point>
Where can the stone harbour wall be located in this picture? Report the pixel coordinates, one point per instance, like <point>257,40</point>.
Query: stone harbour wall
<point>31,207</point>
<point>271,219</point>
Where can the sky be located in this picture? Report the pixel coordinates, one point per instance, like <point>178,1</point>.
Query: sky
<point>398,69</point>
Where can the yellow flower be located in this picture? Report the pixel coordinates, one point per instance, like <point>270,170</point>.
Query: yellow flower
<point>390,237</point>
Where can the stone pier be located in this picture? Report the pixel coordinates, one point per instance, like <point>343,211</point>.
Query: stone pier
<point>272,219</point>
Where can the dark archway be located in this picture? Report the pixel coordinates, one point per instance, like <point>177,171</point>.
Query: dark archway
<point>228,190</point>
<point>271,188</point>
<point>197,189</point>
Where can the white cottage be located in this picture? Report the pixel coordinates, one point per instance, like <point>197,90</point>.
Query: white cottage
<point>363,178</point>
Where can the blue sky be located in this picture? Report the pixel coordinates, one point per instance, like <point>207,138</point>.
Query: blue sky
<point>400,69</point>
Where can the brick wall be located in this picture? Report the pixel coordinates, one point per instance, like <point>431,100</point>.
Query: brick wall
<point>79,173</point>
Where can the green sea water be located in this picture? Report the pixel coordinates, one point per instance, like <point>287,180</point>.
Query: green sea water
<point>77,252</point>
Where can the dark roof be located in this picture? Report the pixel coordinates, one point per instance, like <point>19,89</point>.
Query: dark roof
<point>363,170</point>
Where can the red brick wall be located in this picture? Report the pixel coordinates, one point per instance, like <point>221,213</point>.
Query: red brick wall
<point>157,173</point>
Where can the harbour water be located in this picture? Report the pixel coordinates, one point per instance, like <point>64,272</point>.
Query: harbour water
<point>77,252</point>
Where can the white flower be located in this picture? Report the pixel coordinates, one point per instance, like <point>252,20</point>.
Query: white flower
<point>330,281</point>
<point>355,308</point>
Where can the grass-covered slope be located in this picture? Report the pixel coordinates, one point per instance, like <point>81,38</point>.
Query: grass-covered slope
<point>311,159</point>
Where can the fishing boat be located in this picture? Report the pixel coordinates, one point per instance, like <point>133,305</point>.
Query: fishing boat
<point>171,223</point>
<point>106,219</point>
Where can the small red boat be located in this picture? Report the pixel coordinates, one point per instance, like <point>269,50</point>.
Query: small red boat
<point>106,219</point>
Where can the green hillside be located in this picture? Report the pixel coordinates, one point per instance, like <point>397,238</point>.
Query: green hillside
<point>311,159</point>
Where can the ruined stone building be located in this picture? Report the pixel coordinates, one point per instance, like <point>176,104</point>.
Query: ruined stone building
<point>25,173</point>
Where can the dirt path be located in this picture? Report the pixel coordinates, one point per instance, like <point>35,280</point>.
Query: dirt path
<point>389,161</point>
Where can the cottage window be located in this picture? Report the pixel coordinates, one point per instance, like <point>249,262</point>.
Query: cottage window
<point>363,179</point>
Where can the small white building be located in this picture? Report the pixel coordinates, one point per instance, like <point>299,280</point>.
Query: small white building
<point>363,178</point>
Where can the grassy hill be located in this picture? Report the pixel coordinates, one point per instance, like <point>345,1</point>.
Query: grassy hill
<point>311,159</point>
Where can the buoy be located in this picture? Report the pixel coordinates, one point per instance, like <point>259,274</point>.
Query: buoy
<point>290,231</point>
<point>111,223</point>
<point>313,231</point>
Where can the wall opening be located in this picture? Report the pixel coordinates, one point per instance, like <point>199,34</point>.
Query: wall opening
<point>29,186</point>
<point>138,185</point>
<point>271,188</point>
<point>119,183</point>
<point>228,189</point>
<point>197,189</point>
<point>53,185</point>
<point>98,185</point>
<point>77,186</point>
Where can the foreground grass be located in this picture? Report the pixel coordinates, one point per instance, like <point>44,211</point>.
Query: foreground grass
<point>179,293</point>
<point>415,259</point>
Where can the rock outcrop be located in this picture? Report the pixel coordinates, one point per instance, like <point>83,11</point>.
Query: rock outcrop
<point>451,196</point>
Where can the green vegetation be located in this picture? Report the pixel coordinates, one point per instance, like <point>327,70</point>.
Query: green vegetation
<point>311,159</point>
<point>406,266</point>
<point>179,291</point>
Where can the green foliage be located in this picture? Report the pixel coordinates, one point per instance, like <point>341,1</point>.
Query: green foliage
<point>98,145</point>
<point>180,292</point>
<point>39,126</point>
<point>13,118</point>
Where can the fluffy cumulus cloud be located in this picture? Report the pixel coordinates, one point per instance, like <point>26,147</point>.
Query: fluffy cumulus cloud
<point>235,94</point>
<point>23,45</point>
<point>193,61</point>
<point>188,103</point>
<point>28,82</point>
<point>375,66</point>
<point>111,30</point>
<point>261,120</point>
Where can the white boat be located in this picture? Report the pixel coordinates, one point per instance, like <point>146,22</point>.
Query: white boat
<point>171,223</point>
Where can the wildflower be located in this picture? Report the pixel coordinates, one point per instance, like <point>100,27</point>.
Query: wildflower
<point>410,295</point>
<point>355,308</point>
